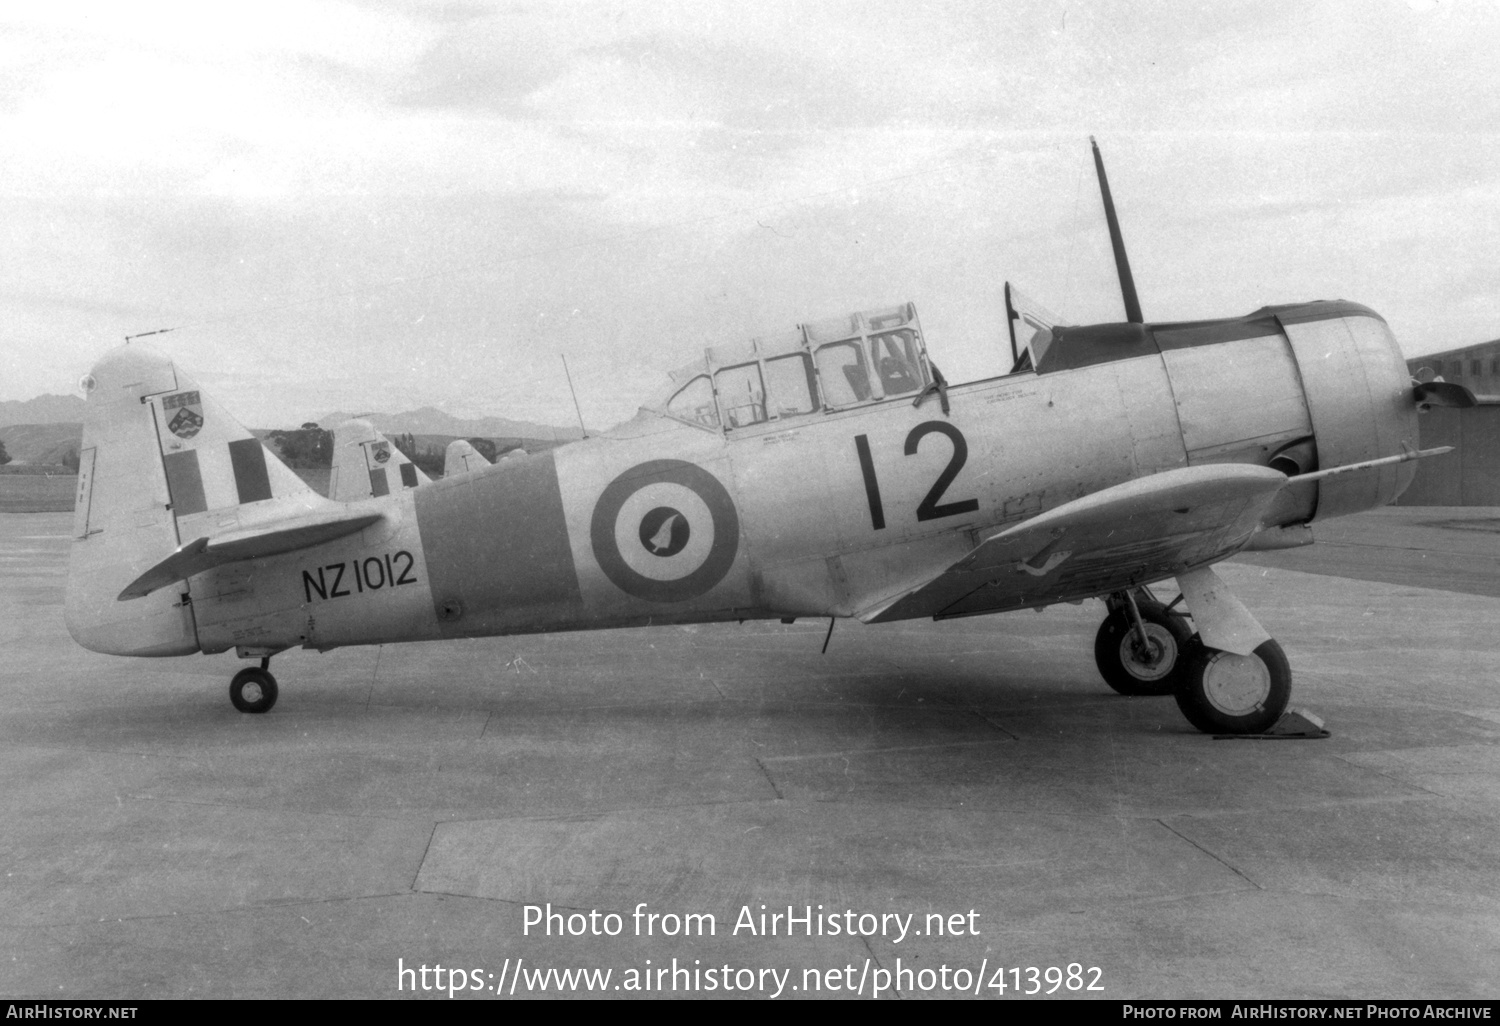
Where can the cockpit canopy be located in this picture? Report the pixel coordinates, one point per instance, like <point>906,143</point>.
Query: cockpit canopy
<point>830,365</point>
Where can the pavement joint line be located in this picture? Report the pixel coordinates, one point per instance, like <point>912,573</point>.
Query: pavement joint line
<point>751,678</point>
<point>64,924</point>
<point>1379,772</point>
<point>1150,900</point>
<point>498,901</point>
<point>586,816</point>
<point>280,809</point>
<point>1040,860</point>
<point>1216,812</point>
<point>849,800</point>
<point>209,754</point>
<point>374,675</point>
<point>775,788</point>
<point>1424,901</point>
<point>845,753</point>
<point>427,848</point>
<point>987,719</point>
<point>870,950</point>
<point>36,747</point>
<point>550,709</point>
<point>1391,548</point>
<point>1217,858</point>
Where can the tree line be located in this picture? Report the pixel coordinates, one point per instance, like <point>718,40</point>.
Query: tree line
<point>69,458</point>
<point>311,446</point>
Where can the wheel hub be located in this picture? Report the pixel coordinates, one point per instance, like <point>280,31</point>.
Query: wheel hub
<point>1151,661</point>
<point>1236,685</point>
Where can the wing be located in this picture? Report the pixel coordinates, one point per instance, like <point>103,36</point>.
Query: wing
<point>1132,533</point>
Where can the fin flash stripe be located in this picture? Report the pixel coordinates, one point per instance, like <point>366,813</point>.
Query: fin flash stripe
<point>251,480</point>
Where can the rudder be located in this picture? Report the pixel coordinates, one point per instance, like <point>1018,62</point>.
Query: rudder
<point>462,458</point>
<point>367,465</point>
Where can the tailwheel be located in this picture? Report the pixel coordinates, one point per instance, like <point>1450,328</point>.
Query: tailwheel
<point>1135,667</point>
<point>1224,693</point>
<point>253,690</point>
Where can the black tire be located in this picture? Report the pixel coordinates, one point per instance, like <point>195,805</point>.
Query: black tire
<point>1119,663</point>
<point>1223,693</point>
<point>253,690</point>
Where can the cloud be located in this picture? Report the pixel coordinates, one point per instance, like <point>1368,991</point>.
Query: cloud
<point>412,198</point>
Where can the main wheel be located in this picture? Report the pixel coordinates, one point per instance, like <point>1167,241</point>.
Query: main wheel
<point>1130,669</point>
<point>1223,693</point>
<point>253,690</point>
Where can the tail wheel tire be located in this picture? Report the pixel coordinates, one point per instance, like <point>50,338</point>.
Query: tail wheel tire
<point>253,690</point>
<point>1156,669</point>
<point>1224,693</point>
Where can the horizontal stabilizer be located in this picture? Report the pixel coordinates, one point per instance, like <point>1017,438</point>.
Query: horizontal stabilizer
<point>270,539</point>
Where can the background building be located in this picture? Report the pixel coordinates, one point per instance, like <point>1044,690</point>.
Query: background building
<point>1469,476</point>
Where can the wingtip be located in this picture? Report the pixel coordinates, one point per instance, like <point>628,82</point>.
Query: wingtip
<point>161,574</point>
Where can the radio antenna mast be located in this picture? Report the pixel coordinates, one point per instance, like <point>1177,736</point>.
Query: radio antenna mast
<point>1117,242</point>
<point>575,397</point>
<point>143,334</point>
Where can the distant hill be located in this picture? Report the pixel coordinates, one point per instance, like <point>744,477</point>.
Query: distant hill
<point>432,421</point>
<point>44,409</point>
<point>41,430</point>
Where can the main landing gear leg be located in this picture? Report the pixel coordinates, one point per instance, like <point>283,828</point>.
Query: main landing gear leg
<point>1236,679</point>
<point>253,689</point>
<point>1142,644</point>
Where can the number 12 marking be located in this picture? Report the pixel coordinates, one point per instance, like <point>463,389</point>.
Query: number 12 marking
<point>928,508</point>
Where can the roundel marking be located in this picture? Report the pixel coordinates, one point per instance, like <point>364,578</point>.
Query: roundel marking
<point>679,545</point>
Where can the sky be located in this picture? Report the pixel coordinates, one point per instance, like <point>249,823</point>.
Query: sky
<point>389,205</point>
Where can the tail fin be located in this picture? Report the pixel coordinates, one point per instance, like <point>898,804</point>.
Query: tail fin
<point>462,458</point>
<point>162,465</point>
<point>366,464</point>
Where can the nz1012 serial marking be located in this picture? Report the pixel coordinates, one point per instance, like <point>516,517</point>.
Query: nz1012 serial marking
<point>928,508</point>
<point>369,574</point>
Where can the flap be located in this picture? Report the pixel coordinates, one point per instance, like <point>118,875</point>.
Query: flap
<point>270,539</point>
